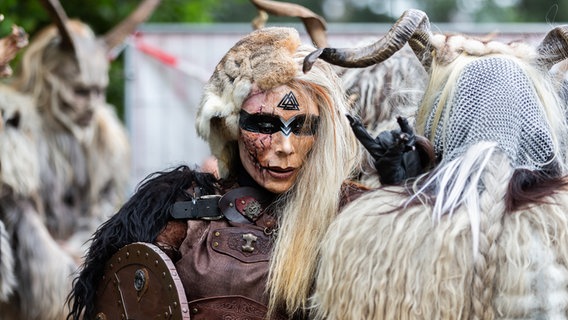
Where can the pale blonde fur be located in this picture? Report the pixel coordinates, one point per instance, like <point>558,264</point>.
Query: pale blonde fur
<point>44,271</point>
<point>403,265</point>
<point>85,167</point>
<point>383,260</point>
<point>449,47</point>
<point>18,145</point>
<point>7,276</point>
<point>41,269</point>
<point>19,170</point>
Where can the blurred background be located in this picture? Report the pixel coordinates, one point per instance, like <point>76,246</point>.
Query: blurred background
<point>158,102</point>
<point>101,15</point>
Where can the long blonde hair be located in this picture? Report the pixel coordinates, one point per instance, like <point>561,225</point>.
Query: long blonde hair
<point>312,203</point>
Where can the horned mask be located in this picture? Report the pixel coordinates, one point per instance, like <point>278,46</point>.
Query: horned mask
<point>66,65</point>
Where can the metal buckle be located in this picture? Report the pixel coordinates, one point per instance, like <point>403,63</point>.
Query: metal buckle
<point>203,208</point>
<point>208,197</point>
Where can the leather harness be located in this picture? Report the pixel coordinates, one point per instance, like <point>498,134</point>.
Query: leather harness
<point>240,205</point>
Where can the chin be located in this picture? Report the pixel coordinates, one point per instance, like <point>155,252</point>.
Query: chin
<point>277,188</point>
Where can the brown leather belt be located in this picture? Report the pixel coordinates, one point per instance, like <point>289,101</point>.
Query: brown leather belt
<point>241,205</point>
<point>204,207</point>
<point>229,307</point>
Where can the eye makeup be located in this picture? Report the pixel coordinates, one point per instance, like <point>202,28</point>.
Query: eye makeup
<point>300,125</point>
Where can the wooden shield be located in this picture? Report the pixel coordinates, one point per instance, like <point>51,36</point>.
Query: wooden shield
<point>140,282</point>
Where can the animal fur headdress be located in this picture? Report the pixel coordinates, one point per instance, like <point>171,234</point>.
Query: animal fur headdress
<point>262,60</point>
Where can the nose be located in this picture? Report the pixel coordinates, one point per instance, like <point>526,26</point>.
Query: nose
<point>283,144</point>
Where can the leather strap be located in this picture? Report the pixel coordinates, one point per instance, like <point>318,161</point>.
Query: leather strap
<point>244,204</point>
<point>241,205</point>
<point>205,208</point>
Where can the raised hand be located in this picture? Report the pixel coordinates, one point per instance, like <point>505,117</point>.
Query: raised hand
<point>394,152</point>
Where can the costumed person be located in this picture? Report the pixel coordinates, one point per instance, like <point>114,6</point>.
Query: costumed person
<point>484,234</point>
<point>86,155</point>
<point>285,153</point>
<point>9,47</point>
<point>35,272</point>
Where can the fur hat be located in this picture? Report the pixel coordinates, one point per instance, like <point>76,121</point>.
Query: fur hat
<point>262,60</point>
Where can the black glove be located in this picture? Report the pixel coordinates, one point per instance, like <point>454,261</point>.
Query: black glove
<point>394,152</point>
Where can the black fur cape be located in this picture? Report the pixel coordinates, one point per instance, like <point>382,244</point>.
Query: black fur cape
<point>140,219</point>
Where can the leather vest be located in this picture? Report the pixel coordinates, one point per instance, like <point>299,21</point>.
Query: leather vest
<point>224,264</point>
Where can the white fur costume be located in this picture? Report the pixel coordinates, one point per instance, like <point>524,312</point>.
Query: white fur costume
<point>35,273</point>
<point>458,251</point>
<point>404,265</point>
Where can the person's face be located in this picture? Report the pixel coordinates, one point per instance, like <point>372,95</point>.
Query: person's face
<point>277,131</point>
<point>79,94</point>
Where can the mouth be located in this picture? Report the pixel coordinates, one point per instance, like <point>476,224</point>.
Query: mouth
<point>85,119</point>
<point>280,173</point>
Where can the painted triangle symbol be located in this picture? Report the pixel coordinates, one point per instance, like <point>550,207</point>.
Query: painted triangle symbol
<point>289,102</point>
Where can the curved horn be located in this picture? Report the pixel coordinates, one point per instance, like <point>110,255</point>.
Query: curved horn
<point>412,27</point>
<point>315,24</point>
<point>554,47</point>
<point>260,20</point>
<point>116,36</point>
<point>59,16</point>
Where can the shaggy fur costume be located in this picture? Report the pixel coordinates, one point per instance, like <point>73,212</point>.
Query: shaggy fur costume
<point>85,171</point>
<point>28,253</point>
<point>7,277</point>
<point>483,235</point>
<point>86,155</point>
<point>43,270</point>
<point>142,218</point>
<point>398,263</point>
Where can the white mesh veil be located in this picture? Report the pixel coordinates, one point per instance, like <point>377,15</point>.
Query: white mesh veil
<point>494,101</point>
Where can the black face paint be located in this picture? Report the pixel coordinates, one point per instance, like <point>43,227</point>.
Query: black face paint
<point>289,102</point>
<point>300,125</point>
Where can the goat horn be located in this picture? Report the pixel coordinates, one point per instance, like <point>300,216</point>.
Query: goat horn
<point>554,47</point>
<point>412,27</point>
<point>116,36</point>
<point>60,18</point>
<point>315,24</point>
<point>260,20</point>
